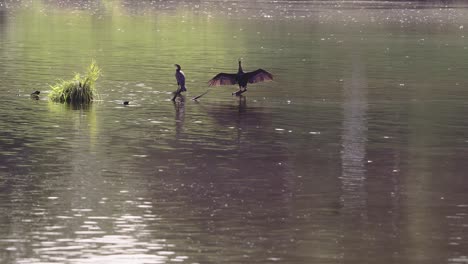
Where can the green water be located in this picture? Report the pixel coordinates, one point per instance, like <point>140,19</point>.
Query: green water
<point>355,153</point>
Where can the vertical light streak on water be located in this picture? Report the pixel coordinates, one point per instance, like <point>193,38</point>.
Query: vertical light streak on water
<point>354,139</point>
<point>353,154</point>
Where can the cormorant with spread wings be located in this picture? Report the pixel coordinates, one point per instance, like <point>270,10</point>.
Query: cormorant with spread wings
<point>241,78</point>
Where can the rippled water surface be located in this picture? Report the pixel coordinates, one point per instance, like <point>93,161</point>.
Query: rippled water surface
<point>355,153</point>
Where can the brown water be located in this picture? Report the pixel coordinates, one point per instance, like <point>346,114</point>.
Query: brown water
<point>356,153</point>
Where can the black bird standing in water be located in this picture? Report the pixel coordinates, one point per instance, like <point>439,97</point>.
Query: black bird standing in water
<point>180,77</point>
<point>241,78</point>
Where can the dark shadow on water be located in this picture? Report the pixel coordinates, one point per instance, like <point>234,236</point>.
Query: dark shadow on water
<point>179,107</point>
<point>240,115</point>
<point>76,106</point>
<point>242,104</point>
<point>238,177</point>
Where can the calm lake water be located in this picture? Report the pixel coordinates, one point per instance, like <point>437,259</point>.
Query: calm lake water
<point>355,153</point>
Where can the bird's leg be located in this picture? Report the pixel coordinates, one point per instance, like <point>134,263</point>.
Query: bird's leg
<point>241,91</point>
<point>177,92</point>
<point>238,92</point>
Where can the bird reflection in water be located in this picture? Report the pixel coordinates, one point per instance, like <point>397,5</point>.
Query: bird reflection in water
<point>179,107</point>
<point>242,104</point>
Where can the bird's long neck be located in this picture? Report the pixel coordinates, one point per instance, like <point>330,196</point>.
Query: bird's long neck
<point>240,71</point>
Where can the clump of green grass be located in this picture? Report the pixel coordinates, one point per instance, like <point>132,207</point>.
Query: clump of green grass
<point>81,89</point>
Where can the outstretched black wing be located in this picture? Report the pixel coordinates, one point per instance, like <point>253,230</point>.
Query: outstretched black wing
<point>259,75</point>
<point>223,79</point>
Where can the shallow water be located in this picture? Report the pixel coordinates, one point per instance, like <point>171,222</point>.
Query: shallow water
<point>356,153</point>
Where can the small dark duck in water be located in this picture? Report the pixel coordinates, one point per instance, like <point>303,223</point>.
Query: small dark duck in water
<point>35,95</point>
<point>126,102</point>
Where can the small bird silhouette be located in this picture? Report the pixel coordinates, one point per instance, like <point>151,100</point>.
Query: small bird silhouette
<point>241,78</point>
<point>126,102</point>
<point>35,95</point>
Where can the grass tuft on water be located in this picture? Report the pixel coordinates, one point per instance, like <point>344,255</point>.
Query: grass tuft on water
<point>81,89</point>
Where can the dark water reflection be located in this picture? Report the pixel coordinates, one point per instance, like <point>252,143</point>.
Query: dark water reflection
<point>354,154</point>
